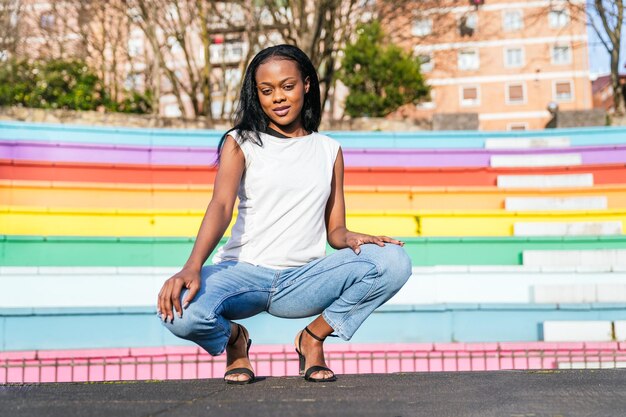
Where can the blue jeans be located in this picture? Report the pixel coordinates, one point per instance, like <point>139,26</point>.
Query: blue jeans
<point>343,286</point>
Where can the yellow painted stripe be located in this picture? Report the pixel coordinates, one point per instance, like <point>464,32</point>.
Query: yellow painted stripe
<point>500,223</point>
<point>83,222</point>
<point>358,198</point>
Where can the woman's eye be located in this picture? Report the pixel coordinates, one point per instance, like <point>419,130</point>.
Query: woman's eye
<point>288,87</point>
<point>266,91</point>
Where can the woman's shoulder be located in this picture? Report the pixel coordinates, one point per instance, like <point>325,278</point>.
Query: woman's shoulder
<point>334,143</point>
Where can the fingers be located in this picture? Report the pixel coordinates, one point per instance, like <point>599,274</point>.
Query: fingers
<point>355,247</point>
<point>193,287</point>
<point>176,301</point>
<point>391,240</point>
<point>169,298</point>
<point>165,307</point>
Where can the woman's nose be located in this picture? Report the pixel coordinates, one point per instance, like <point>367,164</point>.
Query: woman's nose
<point>278,96</point>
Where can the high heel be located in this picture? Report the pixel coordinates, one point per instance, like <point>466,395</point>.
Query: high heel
<point>244,371</point>
<point>316,368</point>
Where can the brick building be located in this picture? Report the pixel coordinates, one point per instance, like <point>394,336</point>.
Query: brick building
<point>504,60</point>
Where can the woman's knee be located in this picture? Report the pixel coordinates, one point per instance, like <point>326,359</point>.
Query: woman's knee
<point>395,264</point>
<point>192,321</point>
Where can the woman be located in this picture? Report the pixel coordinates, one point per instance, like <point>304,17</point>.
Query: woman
<point>289,179</point>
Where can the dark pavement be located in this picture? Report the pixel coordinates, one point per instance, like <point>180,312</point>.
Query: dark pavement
<point>556,393</point>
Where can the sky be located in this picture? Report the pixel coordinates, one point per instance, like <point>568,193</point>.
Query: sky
<point>599,57</point>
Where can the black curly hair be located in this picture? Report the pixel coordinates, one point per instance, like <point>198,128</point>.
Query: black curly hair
<point>250,119</point>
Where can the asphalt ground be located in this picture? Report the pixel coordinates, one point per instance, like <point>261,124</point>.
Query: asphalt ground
<point>540,393</point>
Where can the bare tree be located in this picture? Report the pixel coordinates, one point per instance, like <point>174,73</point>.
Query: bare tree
<point>10,11</point>
<point>606,17</point>
<point>104,31</point>
<point>320,28</point>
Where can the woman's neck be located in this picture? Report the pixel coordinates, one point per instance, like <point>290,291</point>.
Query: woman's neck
<point>287,132</point>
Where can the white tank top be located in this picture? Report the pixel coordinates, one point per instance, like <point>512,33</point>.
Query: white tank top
<point>282,200</point>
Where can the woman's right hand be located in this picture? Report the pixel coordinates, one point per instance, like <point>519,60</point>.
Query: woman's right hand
<point>169,296</point>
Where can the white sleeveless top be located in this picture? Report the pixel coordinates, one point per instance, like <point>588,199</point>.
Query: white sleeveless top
<point>282,200</point>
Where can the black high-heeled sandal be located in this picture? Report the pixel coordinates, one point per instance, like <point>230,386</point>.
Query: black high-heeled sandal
<point>244,371</point>
<point>316,368</point>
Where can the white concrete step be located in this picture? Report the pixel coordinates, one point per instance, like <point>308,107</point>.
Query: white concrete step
<point>620,330</point>
<point>528,143</point>
<point>555,203</point>
<point>567,228</point>
<point>582,293</point>
<point>139,286</point>
<point>539,160</point>
<point>578,331</point>
<point>588,257</point>
<point>545,181</point>
<point>487,284</point>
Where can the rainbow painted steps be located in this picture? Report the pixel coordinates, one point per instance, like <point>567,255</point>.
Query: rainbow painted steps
<point>81,328</point>
<point>36,287</point>
<point>368,157</point>
<point>178,174</point>
<point>348,139</point>
<point>29,220</point>
<point>196,197</point>
<point>35,251</point>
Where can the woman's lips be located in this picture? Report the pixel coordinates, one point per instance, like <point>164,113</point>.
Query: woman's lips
<point>282,111</point>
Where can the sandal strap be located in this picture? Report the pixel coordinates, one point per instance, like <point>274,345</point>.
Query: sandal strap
<point>317,368</point>
<point>238,334</point>
<point>316,337</point>
<point>244,371</point>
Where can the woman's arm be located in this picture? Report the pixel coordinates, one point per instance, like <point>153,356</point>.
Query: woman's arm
<point>338,235</point>
<point>216,219</point>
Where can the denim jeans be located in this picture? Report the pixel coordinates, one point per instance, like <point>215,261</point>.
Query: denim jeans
<point>343,286</point>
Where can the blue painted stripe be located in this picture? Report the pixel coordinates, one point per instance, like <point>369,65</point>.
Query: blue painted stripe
<point>77,328</point>
<point>348,139</point>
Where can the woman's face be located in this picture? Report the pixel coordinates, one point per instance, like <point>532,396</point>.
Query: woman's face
<point>281,93</point>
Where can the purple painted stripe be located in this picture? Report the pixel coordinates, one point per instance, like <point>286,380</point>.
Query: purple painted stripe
<point>171,155</point>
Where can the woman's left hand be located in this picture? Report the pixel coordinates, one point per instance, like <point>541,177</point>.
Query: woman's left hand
<point>354,240</point>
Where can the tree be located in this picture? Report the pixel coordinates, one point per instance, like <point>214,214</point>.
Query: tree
<point>380,77</point>
<point>10,11</point>
<point>606,18</point>
<point>321,28</point>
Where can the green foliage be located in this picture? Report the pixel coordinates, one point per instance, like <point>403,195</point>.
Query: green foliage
<point>136,102</point>
<point>380,77</point>
<point>59,84</point>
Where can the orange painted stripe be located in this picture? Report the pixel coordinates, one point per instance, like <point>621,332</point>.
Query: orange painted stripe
<point>452,176</point>
<point>196,197</point>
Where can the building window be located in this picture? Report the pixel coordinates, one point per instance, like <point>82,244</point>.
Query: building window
<point>46,21</point>
<point>469,60</point>
<point>517,126</point>
<point>561,55</point>
<point>422,27</point>
<point>172,110</point>
<point>515,94</point>
<point>175,46</point>
<point>467,24</point>
<point>133,81</point>
<point>135,47</point>
<point>558,18</point>
<point>470,96</point>
<point>430,104</point>
<point>512,20</point>
<point>562,91</point>
<point>427,63</point>
<point>513,57</point>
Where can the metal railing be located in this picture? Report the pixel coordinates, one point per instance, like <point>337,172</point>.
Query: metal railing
<point>202,365</point>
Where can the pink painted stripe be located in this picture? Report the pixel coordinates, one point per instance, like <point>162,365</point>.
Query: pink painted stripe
<point>190,362</point>
<point>205,156</point>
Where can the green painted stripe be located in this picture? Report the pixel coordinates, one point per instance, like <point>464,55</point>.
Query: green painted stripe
<point>138,251</point>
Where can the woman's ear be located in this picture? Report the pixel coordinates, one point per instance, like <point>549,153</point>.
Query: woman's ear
<point>307,84</point>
